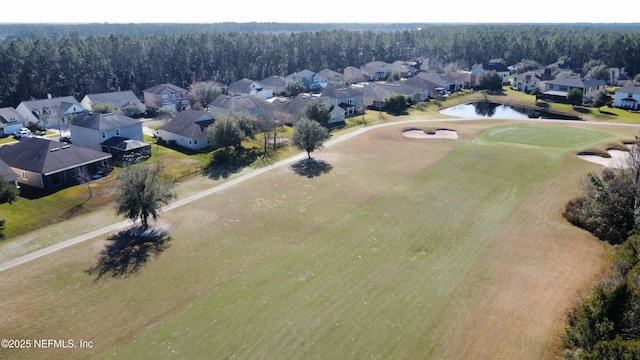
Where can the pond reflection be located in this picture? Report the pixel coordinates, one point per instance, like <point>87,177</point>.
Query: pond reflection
<point>487,109</point>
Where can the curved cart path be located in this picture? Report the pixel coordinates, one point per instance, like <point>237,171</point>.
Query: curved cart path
<point>124,224</point>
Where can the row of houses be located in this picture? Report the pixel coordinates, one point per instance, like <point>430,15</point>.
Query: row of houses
<point>102,140</point>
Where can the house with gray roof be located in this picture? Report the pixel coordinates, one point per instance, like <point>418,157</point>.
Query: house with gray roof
<point>124,101</point>
<point>167,96</point>
<point>252,104</point>
<point>333,77</point>
<point>187,129</point>
<point>289,111</point>
<point>116,134</point>
<point>501,69</point>
<point>348,98</point>
<point>312,81</point>
<point>10,121</point>
<point>277,83</point>
<point>559,88</point>
<point>49,164</point>
<point>50,112</point>
<point>8,174</point>
<point>249,87</point>
<point>628,97</point>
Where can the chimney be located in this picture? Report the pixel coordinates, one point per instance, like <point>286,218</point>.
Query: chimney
<point>49,96</point>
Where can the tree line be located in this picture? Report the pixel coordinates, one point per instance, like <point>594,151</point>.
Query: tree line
<point>606,324</point>
<point>77,64</point>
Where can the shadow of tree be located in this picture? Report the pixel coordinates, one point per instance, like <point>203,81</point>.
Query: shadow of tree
<point>128,251</point>
<point>311,167</point>
<point>235,163</point>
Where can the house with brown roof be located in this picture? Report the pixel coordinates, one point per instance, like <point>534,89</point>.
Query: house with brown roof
<point>50,112</point>
<point>187,129</point>
<point>529,80</point>
<point>49,164</point>
<point>166,96</point>
<point>354,75</point>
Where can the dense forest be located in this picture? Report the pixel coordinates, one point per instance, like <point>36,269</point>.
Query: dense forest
<point>65,60</point>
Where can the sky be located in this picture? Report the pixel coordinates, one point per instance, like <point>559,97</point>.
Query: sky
<point>319,11</point>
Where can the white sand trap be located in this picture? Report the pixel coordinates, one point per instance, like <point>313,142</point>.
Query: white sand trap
<point>438,134</point>
<point>619,159</point>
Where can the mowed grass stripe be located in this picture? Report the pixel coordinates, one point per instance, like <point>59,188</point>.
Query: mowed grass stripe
<point>374,283</point>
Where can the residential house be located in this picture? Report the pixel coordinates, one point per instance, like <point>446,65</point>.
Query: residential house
<point>377,70</point>
<point>10,121</point>
<point>424,89</point>
<point>464,78</point>
<point>277,83</point>
<point>565,64</point>
<point>432,65</point>
<point>446,84</point>
<point>347,98</point>
<point>354,75</point>
<point>628,97</point>
<point>501,69</point>
<point>333,77</point>
<point>124,101</point>
<point>252,104</point>
<point>376,95</point>
<point>558,89</point>
<point>529,80</point>
<point>167,96</point>
<point>249,87</point>
<point>187,129</point>
<point>50,112</point>
<point>116,134</point>
<point>618,76</point>
<point>404,69</point>
<point>311,80</point>
<point>7,174</point>
<point>289,111</point>
<point>49,164</point>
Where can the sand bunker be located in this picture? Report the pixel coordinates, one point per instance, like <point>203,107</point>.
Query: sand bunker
<point>619,159</point>
<point>437,134</point>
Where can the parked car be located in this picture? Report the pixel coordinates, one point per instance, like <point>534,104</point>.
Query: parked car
<point>22,133</point>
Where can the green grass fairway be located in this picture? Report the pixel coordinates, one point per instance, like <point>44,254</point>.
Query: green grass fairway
<point>383,256</point>
<point>547,136</point>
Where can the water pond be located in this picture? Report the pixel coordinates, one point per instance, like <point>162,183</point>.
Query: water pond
<point>484,109</point>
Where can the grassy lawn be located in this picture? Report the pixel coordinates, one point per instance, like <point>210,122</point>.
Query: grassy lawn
<point>408,248</point>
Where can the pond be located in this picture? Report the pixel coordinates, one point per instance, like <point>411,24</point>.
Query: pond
<point>484,109</point>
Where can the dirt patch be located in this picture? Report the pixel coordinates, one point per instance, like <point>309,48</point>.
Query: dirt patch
<point>430,134</point>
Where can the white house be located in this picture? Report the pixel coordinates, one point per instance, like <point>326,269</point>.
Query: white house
<point>188,129</point>
<point>50,112</point>
<point>249,87</point>
<point>501,69</point>
<point>91,129</point>
<point>10,121</point>
<point>628,97</point>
